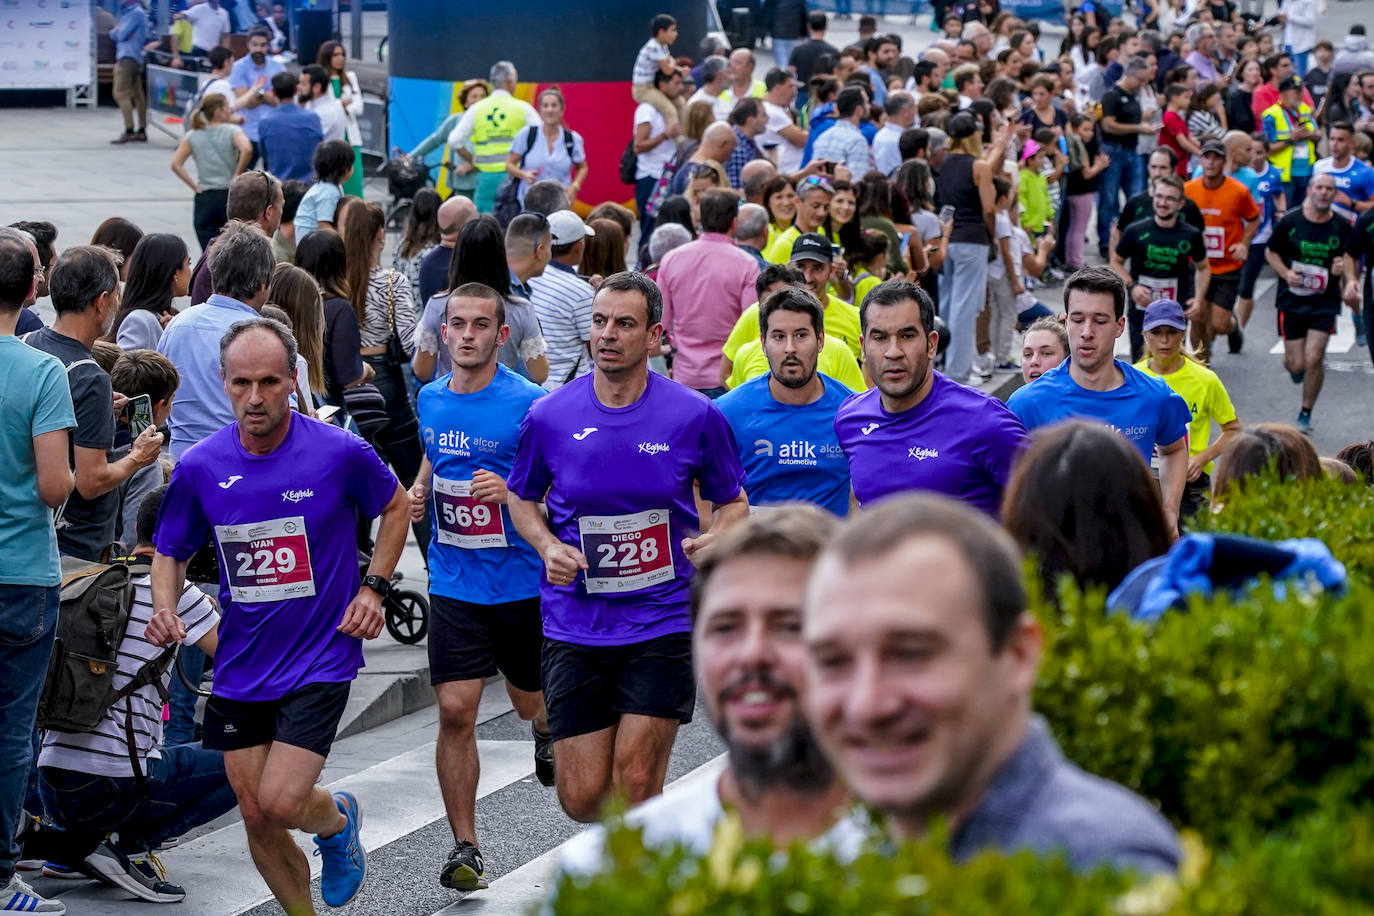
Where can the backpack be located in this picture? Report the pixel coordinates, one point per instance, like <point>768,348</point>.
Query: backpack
<point>629,161</point>
<point>507,206</point>
<point>79,687</point>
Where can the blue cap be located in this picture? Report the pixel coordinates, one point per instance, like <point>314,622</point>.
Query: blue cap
<point>1165,312</point>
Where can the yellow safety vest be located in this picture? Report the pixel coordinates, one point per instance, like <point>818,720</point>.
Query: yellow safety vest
<point>1282,159</point>
<point>495,122</point>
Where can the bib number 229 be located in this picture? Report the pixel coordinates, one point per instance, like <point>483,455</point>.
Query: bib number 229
<point>266,561</point>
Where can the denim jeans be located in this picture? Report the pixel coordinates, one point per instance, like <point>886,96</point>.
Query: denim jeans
<point>187,787</point>
<point>1124,174</point>
<point>28,623</point>
<point>782,51</point>
<point>963,291</point>
<point>181,726</point>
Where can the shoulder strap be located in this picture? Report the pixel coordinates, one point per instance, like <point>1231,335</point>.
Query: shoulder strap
<point>568,143</point>
<point>391,298</point>
<point>531,134</point>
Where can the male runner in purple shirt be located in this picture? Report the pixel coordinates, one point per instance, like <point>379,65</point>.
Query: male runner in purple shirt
<point>615,456</point>
<point>278,491</point>
<point>917,429</point>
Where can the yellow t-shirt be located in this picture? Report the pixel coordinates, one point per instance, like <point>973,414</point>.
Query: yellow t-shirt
<point>861,288</point>
<point>779,250</point>
<point>1206,396</point>
<point>835,360</point>
<point>841,321</point>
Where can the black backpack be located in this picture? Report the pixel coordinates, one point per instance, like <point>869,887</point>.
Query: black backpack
<point>629,162</point>
<point>79,687</point>
<point>507,205</point>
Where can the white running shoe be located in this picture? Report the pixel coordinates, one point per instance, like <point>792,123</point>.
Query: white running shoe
<point>18,897</point>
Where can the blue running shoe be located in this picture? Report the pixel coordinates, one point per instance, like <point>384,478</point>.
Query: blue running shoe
<point>344,859</point>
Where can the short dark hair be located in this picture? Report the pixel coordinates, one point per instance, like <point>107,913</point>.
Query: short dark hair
<point>145,372</point>
<point>260,31</point>
<point>850,100</point>
<point>219,56</point>
<point>1097,278</point>
<point>145,525</point>
<point>988,550</point>
<point>661,22</point>
<point>777,273</point>
<point>80,274</point>
<point>1173,156</point>
<point>478,291</point>
<point>333,159</point>
<point>284,85</point>
<point>16,271</point>
<point>1000,187</point>
<point>546,196</point>
<point>891,292</point>
<point>318,75</point>
<point>292,191</point>
<point>797,532</point>
<point>632,281</point>
<point>251,193</point>
<point>775,77</point>
<point>1341,125</point>
<point>241,261</point>
<point>912,142</point>
<point>718,208</point>
<point>792,299</point>
<point>817,21</point>
<point>744,110</point>
<point>922,70</point>
<point>1360,457</point>
<point>897,102</point>
<point>44,236</point>
<point>662,79</point>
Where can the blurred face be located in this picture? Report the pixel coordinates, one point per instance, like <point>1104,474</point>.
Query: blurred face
<point>622,338</point>
<point>669,35</point>
<point>1085,131</point>
<point>1167,201</point>
<point>1027,47</point>
<point>783,206</point>
<point>472,332</point>
<point>673,88</point>
<point>1292,98</point>
<point>792,347</point>
<point>897,348</point>
<point>1322,192</point>
<point>1324,56</point>
<point>1341,145</point>
<point>550,109</point>
<point>1040,96</point>
<point>1206,42</point>
<point>842,207</point>
<point>1129,48</point>
<point>1259,155</point>
<point>339,58</point>
<point>181,281</point>
<point>812,209</point>
<point>475,95</point>
<point>1014,62</point>
<point>1093,329</point>
<point>1158,166</point>
<point>1213,164</point>
<point>1266,47</point>
<point>887,55</point>
<point>257,47</point>
<point>786,91</point>
<point>751,662</point>
<point>1041,351</point>
<point>965,54</point>
<point>1367,86</point>
<point>903,689</point>
<point>817,276</point>
<point>1283,69</point>
<point>741,65</point>
<point>258,382</point>
<point>974,88</point>
<point>1250,74</point>
<point>1164,342</point>
<point>1182,101</point>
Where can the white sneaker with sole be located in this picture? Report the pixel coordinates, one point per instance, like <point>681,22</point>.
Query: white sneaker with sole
<point>18,897</point>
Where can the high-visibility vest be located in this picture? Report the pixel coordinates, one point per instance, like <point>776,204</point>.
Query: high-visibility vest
<point>495,122</point>
<point>1283,158</point>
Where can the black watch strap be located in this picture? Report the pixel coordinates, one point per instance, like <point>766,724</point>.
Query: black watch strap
<point>378,584</point>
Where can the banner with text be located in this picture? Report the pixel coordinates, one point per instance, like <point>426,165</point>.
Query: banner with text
<point>45,44</point>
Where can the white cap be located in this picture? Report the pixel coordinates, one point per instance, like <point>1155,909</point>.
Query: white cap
<point>567,227</point>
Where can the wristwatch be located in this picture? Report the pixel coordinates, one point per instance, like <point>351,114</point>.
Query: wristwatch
<point>378,584</point>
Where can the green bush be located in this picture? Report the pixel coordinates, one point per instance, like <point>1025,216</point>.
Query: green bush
<point>1340,515</point>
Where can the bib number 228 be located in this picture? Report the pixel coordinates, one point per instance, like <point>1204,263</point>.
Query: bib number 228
<point>626,553</point>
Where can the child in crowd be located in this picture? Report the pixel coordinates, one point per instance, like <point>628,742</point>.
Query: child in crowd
<point>318,208</point>
<point>136,373</point>
<point>1174,134</point>
<point>1364,146</point>
<point>1034,190</point>
<point>655,57</point>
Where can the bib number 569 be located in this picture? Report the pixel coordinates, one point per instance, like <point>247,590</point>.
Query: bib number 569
<point>479,516</point>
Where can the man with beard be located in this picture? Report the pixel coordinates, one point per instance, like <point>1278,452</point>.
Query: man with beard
<point>618,551</point>
<point>917,429</point>
<point>921,697</point>
<point>784,422</point>
<point>251,80</point>
<point>746,640</point>
<point>483,577</point>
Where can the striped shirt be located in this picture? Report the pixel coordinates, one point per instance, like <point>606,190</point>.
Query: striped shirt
<point>104,752</point>
<point>385,287</point>
<point>646,63</point>
<point>563,303</point>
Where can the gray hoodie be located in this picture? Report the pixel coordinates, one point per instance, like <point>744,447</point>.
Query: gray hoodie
<point>1353,56</point>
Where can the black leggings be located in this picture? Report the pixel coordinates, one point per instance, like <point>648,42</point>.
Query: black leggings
<point>399,444</point>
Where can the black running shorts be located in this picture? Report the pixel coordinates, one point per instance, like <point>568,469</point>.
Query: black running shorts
<point>588,688</point>
<point>470,641</point>
<point>306,718</point>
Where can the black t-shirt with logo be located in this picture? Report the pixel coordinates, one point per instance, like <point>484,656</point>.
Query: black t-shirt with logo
<point>1122,105</point>
<point>1310,249</point>
<point>1142,206</point>
<point>1163,257</point>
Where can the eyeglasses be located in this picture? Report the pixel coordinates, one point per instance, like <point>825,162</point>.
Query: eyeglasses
<point>816,181</point>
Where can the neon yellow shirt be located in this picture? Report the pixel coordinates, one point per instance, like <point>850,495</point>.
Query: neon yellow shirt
<point>835,360</point>
<point>779,250</point>
<point>1206,396</point>
<point>841,322</point>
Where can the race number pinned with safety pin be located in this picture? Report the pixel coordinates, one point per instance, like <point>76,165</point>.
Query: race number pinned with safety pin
<point>463,521</point>
<point>1214,238</point>
<point>1160,287</point>
<point>626,553</point>
<point>1312,279</point>
<point>266,561</point>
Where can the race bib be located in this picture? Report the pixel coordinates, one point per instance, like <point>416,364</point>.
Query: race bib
<point>463,521</point>
<point>1214,237</point>
<point>266,561</point>
<point>626,553</point>
<point>1160,287</point>
<point>1312,279</point>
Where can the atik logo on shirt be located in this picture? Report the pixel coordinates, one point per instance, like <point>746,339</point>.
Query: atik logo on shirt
<point>295,496</point>
<point>797,449</point>
<point>233,479</point>
<point>921,453</point>
<point>586,431</point>
<point>653,448</point>
<point>868,429</point>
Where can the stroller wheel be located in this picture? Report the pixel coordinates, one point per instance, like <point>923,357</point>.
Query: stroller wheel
<point>407,616</point>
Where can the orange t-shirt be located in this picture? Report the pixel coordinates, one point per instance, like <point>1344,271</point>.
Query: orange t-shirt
<point>1224,211</point>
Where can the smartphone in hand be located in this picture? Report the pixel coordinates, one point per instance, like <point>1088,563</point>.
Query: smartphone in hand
<point>140,411</point>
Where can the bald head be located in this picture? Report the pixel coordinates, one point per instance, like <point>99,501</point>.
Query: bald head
<point>935,56</point>
<point>754,176</point>
<point>453,214</point>
<point>718,142</point>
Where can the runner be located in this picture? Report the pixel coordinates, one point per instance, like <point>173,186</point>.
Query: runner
<point>1268,193</point>
<point>1093,385</point>
<point>784,422</point>
<point>1161,162</point>
<point>1168,260</point>
<point>279,492</point>
<point>1307,253</point>
<point>1354,179</point>
<point>483,578</point>
<point>616,456</point>
<point>1362,255</point>
<point>1044,346</point>
<point>1165,329</point>
<point>1232,219</point>
<point>918,430</point>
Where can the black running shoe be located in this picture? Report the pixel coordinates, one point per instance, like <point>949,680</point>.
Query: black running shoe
<point>142,877</point>
<point>464,870</point>
<point>543,757</point>
<point>1235,339</point>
